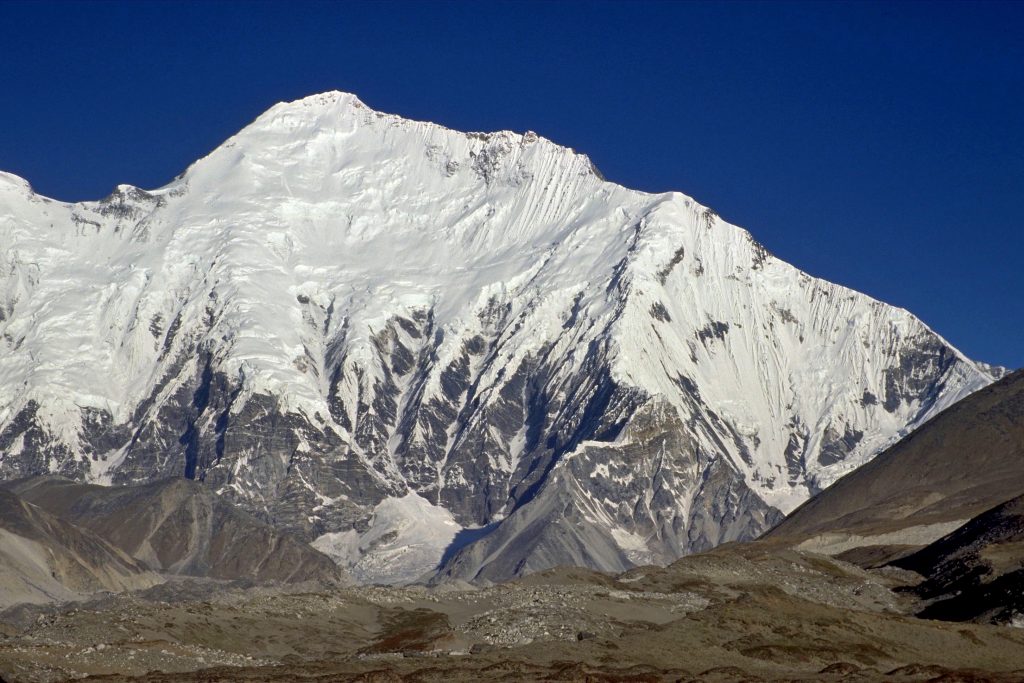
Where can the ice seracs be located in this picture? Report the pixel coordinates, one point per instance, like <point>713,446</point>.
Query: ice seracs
<point>338,308</point>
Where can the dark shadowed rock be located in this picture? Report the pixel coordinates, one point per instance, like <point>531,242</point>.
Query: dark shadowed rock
<point>976,572</point>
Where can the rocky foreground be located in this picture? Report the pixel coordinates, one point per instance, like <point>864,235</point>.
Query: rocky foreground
<point>737,613</point>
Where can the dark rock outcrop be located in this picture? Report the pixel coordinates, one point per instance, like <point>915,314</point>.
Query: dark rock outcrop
<point>975,573</point>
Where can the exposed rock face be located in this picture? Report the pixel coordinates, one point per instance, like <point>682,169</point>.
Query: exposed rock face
<point>977,572</point>
<point>612,506</point>
<point>338,307</point>
<point>44,558</point>
<point>178,526</point>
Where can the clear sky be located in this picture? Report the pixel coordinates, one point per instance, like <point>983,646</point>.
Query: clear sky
<point>877,145</point>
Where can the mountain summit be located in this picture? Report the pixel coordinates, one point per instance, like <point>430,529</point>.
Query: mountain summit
<point>395,338</point>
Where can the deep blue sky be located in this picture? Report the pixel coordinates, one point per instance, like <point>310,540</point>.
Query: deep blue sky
<point>880,146</point>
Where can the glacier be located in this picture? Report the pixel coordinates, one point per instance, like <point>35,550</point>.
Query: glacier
<point>338,308</point>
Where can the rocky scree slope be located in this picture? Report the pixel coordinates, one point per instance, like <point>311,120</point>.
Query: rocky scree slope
<point>177,526</point>
<point>338,309</point>
<point>977,572</point>
<point>735,613</point>
<point>44,558</point>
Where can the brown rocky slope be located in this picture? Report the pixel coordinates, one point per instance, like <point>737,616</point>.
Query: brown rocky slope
<point>178,526</point>
<point>44,558</point>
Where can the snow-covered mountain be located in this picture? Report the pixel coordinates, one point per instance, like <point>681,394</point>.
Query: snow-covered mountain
<point>339,308</point>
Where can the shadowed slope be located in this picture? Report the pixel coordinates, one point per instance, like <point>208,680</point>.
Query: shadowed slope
<point>976,572</point>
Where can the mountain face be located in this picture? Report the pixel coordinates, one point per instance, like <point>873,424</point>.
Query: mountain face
<point>958,465</point>
<point>339,308</point>
<point>177,526</point>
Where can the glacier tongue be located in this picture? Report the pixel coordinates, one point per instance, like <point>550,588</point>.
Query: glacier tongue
<point>406,539</point>
<point>339,310</point>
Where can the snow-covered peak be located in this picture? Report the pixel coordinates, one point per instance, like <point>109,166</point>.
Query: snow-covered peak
<point>337,306</point>
<point>10,183</point>
<point>331,99</point>
<point>315,143</point>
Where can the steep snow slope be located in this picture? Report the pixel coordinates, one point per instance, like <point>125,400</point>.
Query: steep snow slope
<point>339,306</point>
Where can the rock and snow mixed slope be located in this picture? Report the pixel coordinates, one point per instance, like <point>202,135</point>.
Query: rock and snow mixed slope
<point>959,465</point>
<point>338,307</point>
